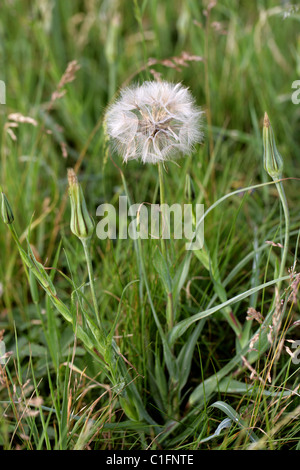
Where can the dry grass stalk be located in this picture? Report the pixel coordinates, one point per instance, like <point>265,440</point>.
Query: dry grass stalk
<point>68,77</point>
<point>14,119</point>
<point>253,314</point>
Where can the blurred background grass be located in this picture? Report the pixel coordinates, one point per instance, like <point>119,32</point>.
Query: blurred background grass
<point>239,60</point>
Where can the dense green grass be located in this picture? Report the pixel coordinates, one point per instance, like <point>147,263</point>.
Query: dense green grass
<point>54,394</point>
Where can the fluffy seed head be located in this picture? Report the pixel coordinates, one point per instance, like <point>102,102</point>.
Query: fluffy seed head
<point>154,122</point>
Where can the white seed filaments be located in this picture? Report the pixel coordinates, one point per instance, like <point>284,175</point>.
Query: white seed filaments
<point>154,122</point>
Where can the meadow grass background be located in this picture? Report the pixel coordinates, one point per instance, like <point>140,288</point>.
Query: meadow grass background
<point>241,59</point>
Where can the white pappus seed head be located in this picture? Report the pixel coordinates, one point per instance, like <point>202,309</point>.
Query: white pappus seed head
<point>154,122</point>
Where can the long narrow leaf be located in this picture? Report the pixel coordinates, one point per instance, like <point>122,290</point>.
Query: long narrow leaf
<point>182,326</point>
<point>232,414</point>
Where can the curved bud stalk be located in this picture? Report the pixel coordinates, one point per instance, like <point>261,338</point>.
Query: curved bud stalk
<point>82,225</point>
<point>273,164</point>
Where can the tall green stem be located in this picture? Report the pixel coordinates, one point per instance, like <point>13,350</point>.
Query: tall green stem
<point>273,163</point>
<point>162,202</point>
<point>284,203</point>
<point>86,247</point>
<point>170,363</point>
<point>170,309</point>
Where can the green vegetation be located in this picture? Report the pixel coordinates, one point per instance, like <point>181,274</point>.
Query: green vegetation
<point>123,344</point>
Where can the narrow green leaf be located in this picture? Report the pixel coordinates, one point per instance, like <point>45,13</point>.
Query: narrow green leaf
<point>186,354</point>
<point>182,326</point>
<point>162,269</point>
<point>232,414</point>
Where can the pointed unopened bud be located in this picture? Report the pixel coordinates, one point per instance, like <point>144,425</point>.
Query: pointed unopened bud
<point>6,211</point>
<point>82,224</point>
<point>273,162</point>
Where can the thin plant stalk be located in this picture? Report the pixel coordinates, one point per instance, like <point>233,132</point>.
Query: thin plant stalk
<point>284,203</point>
<point>273,164</point>
<point>162,202</point>
<point>170,309</point>
<point>169,358</point>
<point>87,253</point>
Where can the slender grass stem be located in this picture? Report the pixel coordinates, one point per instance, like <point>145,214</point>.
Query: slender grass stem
<point>208,92</point>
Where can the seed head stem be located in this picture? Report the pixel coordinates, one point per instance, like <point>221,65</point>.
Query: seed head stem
<point>170,309</point>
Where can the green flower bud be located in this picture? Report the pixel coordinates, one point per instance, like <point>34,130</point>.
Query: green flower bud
<point>6,211</point>
<point>273,162</point>
<point>82,224</point>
